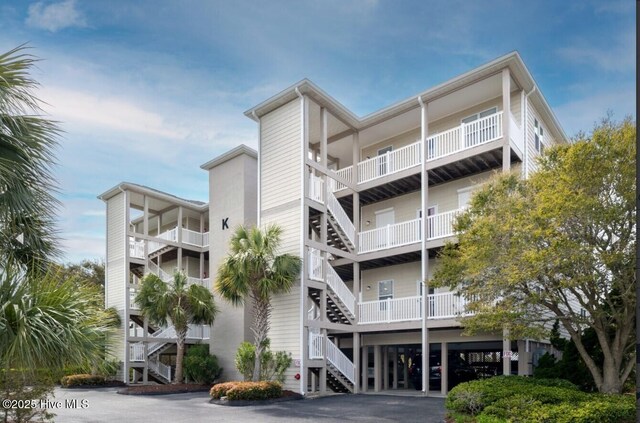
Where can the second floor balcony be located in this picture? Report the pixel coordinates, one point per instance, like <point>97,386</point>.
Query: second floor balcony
<point>458,139</point>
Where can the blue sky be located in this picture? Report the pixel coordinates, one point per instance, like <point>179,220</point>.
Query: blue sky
<point>147,91</point>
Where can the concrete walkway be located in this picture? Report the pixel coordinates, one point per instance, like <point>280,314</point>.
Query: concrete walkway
<point>105,405</point>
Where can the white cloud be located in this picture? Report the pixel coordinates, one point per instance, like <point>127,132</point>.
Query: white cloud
<point>581,114</point>
<point>618,55</point>
<point>55,16</point>
<point>106,112</point>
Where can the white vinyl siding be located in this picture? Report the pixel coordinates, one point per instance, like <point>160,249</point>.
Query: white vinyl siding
<point>280,146</point>
<point>281,190</point>
<point>115,288</point>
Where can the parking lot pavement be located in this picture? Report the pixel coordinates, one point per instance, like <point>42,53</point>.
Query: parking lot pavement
<point>106,405</point>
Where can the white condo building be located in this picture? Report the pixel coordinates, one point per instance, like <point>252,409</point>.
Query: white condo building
<point>367,202</point>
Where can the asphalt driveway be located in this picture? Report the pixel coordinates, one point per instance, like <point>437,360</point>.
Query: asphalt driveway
<point>105,405</point>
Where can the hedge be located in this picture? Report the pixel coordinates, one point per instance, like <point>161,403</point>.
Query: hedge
<point>246,390</point>
<point>519,399</point>
<point>82,380</point>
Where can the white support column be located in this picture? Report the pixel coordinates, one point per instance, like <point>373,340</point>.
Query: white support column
<point>377,368</point>
<point>444,369</point>
<point>145,332</point>
<point>395,367</point>
<point>180,238</point>
<point>127,301</point>
<point>506,352</point>
<point>385,367</point>
<point>201,270</point>
<point>356,361</point>
<point>424,270</point>
<point>145,231</point>
<point>506,117</point>
<point>364,369</point>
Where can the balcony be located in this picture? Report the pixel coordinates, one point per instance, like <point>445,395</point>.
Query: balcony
<point>389,163</point>
<point>390,310</point>
<point>446,305</point>
<point>455,140</point>
<point>464,137</point>
<point>390,236</point>
<point>199,239</point>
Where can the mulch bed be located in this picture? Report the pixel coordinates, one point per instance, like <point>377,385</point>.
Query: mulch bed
<point>108,384</point>
<point>286,396</point>
<point>182,388</point>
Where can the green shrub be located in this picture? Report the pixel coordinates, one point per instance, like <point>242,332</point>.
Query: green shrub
<point>200,366</point>
<point>518,399</point>
<point>272,365</point>
<point>245,359</point>
<point>82,380</point>
<point>246,390</point>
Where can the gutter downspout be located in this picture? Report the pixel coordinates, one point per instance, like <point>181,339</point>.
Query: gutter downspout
<point>424,260</point>
<point>303,373</point>
<point>524,127</point>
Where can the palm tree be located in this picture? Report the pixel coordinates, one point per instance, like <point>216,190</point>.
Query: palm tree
<point>47,321</point>
<point>179,303</point>
<point>27,143</point>
<point>254,271</point>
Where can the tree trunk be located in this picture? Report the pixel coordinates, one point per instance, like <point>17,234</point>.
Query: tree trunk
<point>262,311</point>
<point>182,335</point>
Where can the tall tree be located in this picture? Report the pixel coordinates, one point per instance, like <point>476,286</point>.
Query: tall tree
<point>254,271</point>
<point>560,245</point>
<point>27,143</point>
<point>177,303</point>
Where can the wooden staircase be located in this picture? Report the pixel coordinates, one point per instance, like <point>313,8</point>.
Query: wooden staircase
<point>336,311</point>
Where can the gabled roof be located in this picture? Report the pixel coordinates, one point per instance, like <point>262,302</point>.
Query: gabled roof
<point>239,150</point>
<point>513,61</point>
<point>124,186</point>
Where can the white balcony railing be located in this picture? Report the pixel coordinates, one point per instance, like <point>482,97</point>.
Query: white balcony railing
<point>170,235</point>
<point>390,236</point>
<point>199,239</point>
<point>515,133</point>
<point>136,248</point>
<point>343,292</point>
<point>465,136</point>
<point>391,310</point>
<point>161,369</point>
<point>389,163</point>
<point>206,282</point>
<point>315,265</point>
<point>316,188</point>
<point>341,217</point>
<point>315,345</point>
<point>446,305</point>
<point>340,361</point>
<point>441,225</point>
<point>334,281</point>
<point>345,173</point>
<point>136,352</point>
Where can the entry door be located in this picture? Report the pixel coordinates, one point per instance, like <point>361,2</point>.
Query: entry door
<point>383,219</point>
<point>383,166</point>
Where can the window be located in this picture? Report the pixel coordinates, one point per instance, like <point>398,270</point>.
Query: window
<point>538,133</point>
